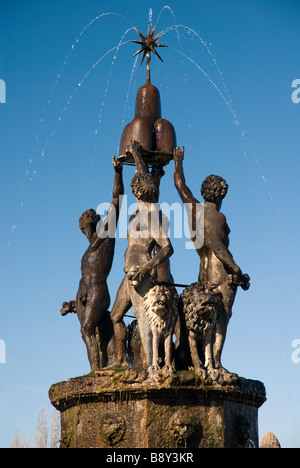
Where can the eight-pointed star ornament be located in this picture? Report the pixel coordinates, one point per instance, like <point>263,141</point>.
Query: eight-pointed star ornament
<point>148,45</point>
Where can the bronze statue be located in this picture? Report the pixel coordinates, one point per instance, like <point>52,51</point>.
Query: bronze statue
<point>148,390</point>
<point>93,299</point>
<point>217,264</point>
<point>145,232</point>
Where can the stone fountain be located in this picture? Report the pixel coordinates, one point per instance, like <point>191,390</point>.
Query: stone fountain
<point>145,389</point>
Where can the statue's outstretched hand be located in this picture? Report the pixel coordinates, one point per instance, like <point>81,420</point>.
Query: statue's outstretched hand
<point>245,282</point>
<point>68,307</point>
<point>136,274</point>
<point>178,155</point>
<point>134,146</point>
<point>239,280</point>
<point>118,165</point>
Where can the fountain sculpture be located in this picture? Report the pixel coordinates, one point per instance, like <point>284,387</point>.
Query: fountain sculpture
<point>144,389</point>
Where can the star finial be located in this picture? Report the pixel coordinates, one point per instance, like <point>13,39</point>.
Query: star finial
<point>148,45</point>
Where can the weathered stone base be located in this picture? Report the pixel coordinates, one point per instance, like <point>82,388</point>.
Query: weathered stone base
<point>112,409</point>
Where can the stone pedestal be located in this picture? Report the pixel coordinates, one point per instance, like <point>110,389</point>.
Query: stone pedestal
<point>121,409</point>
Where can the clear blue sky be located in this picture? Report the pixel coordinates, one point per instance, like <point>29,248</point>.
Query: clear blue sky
<point>228,94</point>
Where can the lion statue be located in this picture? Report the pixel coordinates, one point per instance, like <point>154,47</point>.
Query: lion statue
<point>202,303</point>
<point>161,310</point>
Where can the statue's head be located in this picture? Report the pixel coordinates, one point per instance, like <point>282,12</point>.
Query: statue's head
<point>161,307</point>
<point>214,189</point>
<point>88,221</point>
<point>183,428</point>
<point>161,300</point>
<point>144,187</point>
<point>202,304</point>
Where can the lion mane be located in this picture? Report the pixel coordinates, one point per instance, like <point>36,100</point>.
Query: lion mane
<point>202,303</point>
<point>161,308</point>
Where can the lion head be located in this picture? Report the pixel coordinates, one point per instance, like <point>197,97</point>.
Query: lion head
<point>202,303</point>
<point>161,307</point>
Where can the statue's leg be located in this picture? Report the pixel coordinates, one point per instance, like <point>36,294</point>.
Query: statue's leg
<point>97,303</point>
<point>208,350</point>
<point>220,335</point>
<point>198,366</point>
<point>105,333</point>
<point>121,306</point>
<point>168,353</point>
<point>145,334</point>
<point>182,351</point>
<point>155,346</point>
<point>209,363</point>
<point>229,293</point>
<point>137,298</point>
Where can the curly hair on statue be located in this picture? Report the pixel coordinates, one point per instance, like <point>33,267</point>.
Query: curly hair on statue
<point>144,187</point>
<point>214,188</point>
<point>89,216</point>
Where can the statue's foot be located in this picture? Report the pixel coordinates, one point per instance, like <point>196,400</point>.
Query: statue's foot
<point>214,375</point>
<point>154,370</point>
<point>153,374</point>
<point>117,365</point>
<point>200,372</point>
<point>227,377</point>
<point>168,370</point>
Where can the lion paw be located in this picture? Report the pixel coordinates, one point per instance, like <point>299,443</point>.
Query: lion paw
<point>168,370</point>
